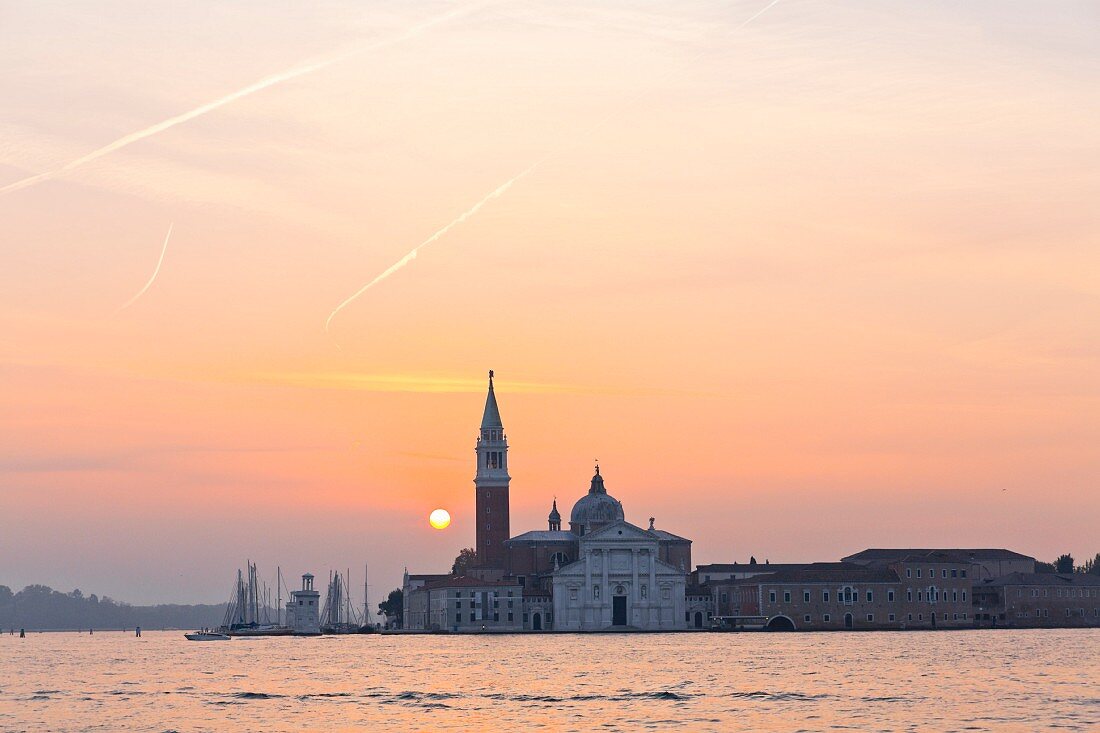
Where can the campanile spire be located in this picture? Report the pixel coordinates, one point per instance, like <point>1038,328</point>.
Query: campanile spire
<point>491,485</point>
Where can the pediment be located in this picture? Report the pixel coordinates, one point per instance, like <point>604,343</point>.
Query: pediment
<point>621,531</point>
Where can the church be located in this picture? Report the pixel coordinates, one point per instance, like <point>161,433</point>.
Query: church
<point>602,573</point>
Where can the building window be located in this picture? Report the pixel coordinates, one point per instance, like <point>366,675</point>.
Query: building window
<point>805,596</point>
<point>847,596</point>
<point>458,618</point>
<point>890,596</point>
<point>806,618</point>
<point>944,573</point>
<point>962,574</point>
<point>509,616</point>
<point>918,572</point>
<point>496,617</point>
<point>771,596</point>
<point>920,595</point>
<point>786,596</point>
<point>472,616</point>
<point>955,596</point>
<point>954,573</point>
<point>826,618</point>
<point>909,572</point>
<point>891,617</point>
<point>945,617</point>
<point>725,598</point>
<point>920,617</point>
<point>964,616</point>
<point>824,596</point>
<point>910,617</point>
<point>964,596</point>
<point>870,617</point>
<point>870,596</point>
<point>458,605</point>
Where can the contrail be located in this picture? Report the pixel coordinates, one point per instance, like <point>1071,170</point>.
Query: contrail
<point>496,192</point>
<point>152,277</point>
<point>307,67</point>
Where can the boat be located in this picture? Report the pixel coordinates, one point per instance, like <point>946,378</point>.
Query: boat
<point>338,616</point>
<point>206,635</point>
<point>249,610</point>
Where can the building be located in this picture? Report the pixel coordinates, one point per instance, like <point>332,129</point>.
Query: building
<point>987,563</point>
<point>1038,599</point>
<point>303,609</point>
<point>601,573</point>
<point>619,580</point>
<point>814,596</point>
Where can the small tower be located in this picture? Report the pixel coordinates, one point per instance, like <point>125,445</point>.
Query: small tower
<point>491,486</point>
<point>554,519</point>
<point>303,609</point>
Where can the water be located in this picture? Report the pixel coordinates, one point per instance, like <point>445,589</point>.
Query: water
<point>916,681</point>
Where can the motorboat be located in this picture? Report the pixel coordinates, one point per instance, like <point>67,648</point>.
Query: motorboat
<point>206,635</point>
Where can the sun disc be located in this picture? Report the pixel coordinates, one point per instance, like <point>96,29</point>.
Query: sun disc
<point>440,519</point>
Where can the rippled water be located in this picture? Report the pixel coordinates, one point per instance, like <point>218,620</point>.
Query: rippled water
<point>918,681</point>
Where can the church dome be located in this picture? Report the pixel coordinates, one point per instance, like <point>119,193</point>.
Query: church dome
<point>596,508</point>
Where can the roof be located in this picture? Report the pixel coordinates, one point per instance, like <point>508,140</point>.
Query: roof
<point>1050,579</point>
<point>429,577</point>
<point>746,567</point>
<point>491,417</point>
<point>545,535</point>
<point>668,536</point>
<point>972,555</point>
<point>826,572</point>
<point>464,581</point>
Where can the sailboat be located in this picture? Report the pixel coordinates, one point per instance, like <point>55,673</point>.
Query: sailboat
<point>248,611</point>
<point>338,616</point>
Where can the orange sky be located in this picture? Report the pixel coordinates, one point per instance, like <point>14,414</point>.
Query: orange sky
<point>824,282</point>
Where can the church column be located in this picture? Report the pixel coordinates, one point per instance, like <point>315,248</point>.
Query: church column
<point>637,593</point>
<point>652,573</point>
<point>605,592</point>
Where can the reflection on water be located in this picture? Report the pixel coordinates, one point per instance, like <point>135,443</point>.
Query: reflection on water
<point>919,681</point>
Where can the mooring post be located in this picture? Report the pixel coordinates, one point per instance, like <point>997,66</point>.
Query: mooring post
<point>137,632</point>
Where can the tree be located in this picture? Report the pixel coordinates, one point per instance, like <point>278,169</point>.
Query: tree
<point>752,560</point>
<point>1091,566</point>
<point>1064,563</point>
<point>1044,567</point>
<point>394,606</point>
<point>465,560</point>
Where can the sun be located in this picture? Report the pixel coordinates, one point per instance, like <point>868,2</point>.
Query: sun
<point>440,519</point>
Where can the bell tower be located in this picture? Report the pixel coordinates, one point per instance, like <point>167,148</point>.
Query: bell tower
<point>491,486</point>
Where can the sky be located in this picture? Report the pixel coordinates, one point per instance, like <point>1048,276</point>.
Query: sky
<point>820,281</point>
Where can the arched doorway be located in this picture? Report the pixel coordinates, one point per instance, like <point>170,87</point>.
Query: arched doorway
<point>848,621</point>
<point>536,622</point>
<point>698,619</point>
<point>780,623</point>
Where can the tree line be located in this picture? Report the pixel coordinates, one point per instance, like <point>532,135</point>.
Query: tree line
<point>39,607</point>
<point>1065,564</point>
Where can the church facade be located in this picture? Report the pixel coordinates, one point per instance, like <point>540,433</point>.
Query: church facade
<point>602,573</point>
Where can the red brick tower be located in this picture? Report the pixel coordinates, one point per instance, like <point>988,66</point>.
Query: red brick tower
<point>491,486</point>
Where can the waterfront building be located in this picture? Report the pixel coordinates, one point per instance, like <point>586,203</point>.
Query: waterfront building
<point>303,609</point>
<point>986,563</point>
<point>602,572</point>
<point>1039,599</point>
<point>619,580</point>
<point>821,596</point>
